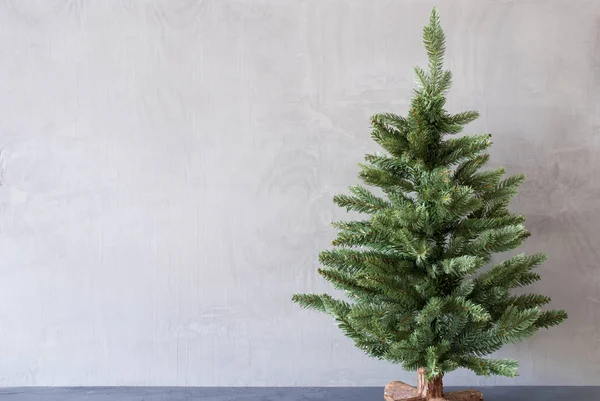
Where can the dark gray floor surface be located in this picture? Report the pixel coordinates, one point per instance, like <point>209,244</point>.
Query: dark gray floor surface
<point>275,394</point>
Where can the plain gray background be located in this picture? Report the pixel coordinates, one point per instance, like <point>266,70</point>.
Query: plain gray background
<point>168,168</point>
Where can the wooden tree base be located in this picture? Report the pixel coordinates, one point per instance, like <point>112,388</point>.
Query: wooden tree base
<point>400,391</point>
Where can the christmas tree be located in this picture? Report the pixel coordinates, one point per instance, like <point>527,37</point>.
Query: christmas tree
<point>421,287</point>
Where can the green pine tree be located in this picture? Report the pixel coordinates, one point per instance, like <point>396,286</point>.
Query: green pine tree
<point>411,268</point>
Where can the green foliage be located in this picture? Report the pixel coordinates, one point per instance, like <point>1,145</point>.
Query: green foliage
<point>412,269</point>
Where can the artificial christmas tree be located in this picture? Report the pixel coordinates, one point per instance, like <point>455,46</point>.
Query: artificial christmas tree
<point>411,270</point>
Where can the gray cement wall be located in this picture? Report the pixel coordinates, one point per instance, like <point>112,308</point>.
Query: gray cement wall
<point>168,168</point>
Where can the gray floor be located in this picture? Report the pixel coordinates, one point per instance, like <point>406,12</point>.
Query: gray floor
<point>275,394</point>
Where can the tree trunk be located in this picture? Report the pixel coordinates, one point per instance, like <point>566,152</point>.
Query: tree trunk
<point>427,391</point>
<point>430,390</point>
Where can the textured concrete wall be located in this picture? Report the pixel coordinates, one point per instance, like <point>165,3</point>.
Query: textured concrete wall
<point>168,168</point>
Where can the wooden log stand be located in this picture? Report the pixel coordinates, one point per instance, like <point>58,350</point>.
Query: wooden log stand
<point>427,391</point>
